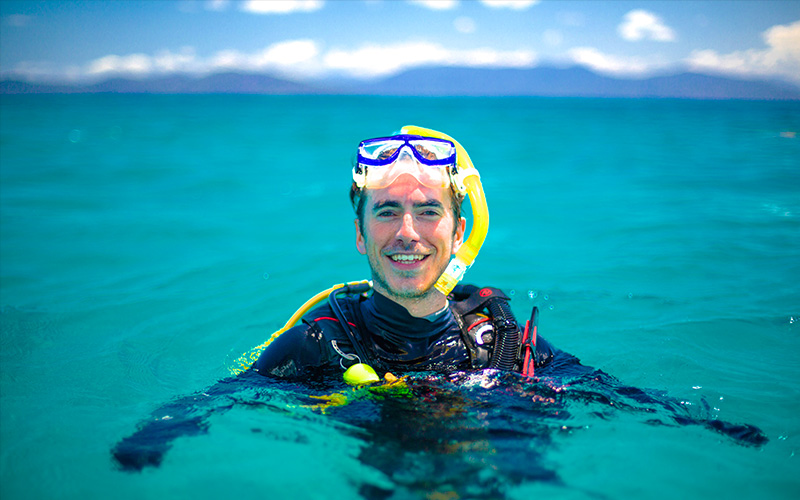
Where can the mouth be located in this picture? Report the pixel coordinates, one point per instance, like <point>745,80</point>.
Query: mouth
<point>406,259</point>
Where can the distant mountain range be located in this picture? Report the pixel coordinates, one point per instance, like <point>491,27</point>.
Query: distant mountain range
<point>441,81</point>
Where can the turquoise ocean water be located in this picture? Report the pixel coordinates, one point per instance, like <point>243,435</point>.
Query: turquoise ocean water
<point>147,241</point>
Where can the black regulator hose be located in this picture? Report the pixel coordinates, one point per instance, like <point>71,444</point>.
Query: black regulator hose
<point>354,289</point>
<point>507,333</point>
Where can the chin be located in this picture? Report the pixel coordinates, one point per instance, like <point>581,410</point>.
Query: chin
<point>410,290</point>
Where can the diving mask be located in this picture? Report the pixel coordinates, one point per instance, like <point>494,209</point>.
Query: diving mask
<point>432,161</point>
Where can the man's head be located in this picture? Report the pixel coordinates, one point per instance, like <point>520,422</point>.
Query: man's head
<point>408,217</point>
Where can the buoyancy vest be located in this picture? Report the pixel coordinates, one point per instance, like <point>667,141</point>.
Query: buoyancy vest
<point>489,331</point>
<point>496,340</point>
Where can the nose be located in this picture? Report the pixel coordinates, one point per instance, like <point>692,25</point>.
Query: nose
<point>405,154</point>
<point>407,233</point>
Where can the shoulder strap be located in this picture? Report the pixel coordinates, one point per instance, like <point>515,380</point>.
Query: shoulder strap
<point>358,346</point>
<point>370,358</point>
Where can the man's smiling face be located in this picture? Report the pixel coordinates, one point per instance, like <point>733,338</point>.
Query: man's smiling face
<point>409,235</point>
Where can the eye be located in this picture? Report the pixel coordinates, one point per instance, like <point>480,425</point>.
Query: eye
<point>385,213</point>
<point>430,213</point>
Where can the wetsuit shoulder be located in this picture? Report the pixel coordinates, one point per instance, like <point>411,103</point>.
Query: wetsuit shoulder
<point>303,349</point>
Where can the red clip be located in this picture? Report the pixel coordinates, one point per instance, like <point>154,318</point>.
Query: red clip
<point>529,341</point>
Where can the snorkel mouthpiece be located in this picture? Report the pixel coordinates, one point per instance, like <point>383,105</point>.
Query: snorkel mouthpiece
<point>468,181</point>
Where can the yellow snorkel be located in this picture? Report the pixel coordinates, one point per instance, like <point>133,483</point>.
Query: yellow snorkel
<point>468,181</point>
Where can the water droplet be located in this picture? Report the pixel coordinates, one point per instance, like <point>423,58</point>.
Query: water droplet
<point>531,294</point>
<point>552,307</point>
<point>266,276</point>
<point>546,297</point>
<point>630,295</point>
<point>695,387</point>
<point>75,135</point>
<point>512,292</point>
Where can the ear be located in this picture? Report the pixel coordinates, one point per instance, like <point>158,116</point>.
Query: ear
<point>360,243</point>
<point>458,239</point>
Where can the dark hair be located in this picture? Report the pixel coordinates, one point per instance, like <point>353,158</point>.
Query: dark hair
<point>357,199</point>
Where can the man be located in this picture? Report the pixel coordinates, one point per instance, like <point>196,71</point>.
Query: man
<point>407,197</point>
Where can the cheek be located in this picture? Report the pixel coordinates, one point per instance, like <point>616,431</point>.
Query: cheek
<point>376,234</point>
<point>444,231</point>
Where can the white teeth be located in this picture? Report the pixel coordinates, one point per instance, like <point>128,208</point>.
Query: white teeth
<point>406,258</point>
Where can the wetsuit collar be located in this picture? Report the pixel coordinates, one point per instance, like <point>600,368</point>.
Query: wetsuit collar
<point>392,316</point>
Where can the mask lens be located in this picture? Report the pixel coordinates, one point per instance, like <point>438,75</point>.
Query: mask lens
<point>379,150</point>
<point>433,150</point>
<point>381,161</point>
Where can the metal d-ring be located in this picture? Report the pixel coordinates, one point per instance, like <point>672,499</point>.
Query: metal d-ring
<point>349,357</point>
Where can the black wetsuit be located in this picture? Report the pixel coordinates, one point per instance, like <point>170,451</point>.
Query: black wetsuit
<point>392,339</point>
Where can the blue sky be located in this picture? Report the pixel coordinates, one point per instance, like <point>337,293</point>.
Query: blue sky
<point>302,39</point>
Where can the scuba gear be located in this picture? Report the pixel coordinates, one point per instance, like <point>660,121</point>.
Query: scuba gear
<point>246,360</point>
<point>506,334</point>
<point>359,373</point>
<point>476,331</point>
<point>382,160</point>
<point>467,180</point>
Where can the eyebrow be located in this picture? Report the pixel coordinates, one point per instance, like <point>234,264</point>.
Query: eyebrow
<point>395,204</point>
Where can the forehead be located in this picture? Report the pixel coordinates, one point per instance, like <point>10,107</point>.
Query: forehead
<point>407,191</point>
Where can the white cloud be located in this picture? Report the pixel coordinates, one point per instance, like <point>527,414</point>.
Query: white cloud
<point>381,60</point>
<point>780,58</point>
<point>34,71</point>
<point>170,62</point>
<point>217,5</point>
<point>135,64</point>
<point>641,24</point>
<point>292,58</point>
<point>436,4</point>
<point>464,25</point>
<point>281,6</point>
<point>509,4</point>
<point>610,64</point>
<point>495,4</point>
<point>298,57</point>
<point>290,53</point>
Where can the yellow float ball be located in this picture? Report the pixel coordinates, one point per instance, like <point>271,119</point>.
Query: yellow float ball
<point>360,374</point>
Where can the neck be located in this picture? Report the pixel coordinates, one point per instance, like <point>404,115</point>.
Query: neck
<point>430,302</point>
